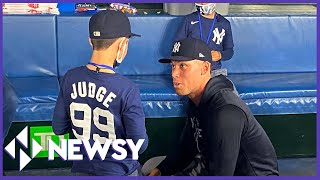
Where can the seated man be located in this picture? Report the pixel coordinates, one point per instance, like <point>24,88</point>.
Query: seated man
<point>221,136</point>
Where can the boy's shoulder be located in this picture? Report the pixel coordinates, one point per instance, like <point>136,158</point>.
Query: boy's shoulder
<point>192,15</point>
<point>127,82</point>
<point>120,79</point>
<point>74,71</point>
<point>221,18</point>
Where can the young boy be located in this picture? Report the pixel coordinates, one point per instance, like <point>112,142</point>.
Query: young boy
<point>95,103</point>
<point>209,26</point>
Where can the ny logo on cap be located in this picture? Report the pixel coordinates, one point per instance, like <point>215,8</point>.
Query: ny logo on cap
<point>176,47</point>
<point>96,33</point>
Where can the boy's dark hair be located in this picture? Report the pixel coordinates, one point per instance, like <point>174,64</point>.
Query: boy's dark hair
<point>102,44</point>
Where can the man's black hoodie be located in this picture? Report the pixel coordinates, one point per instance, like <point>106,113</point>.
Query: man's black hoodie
<point>223,130</point>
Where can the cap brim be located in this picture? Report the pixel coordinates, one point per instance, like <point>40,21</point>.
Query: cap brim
<point>174,58</point>
<point>134,35</point>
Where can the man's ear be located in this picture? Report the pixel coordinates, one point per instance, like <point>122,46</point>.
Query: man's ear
<point>90,42</point>
<point>206,67</point>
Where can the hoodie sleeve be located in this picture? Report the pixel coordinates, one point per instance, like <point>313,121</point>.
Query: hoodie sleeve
<point>226,125</point>
<point>181,155</point>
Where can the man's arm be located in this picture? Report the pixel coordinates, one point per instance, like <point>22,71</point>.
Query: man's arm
<point>181,155</point>
<point>134,119</point>
<point>227,52</point>
<point>61,122</point>
<point>226,125</point>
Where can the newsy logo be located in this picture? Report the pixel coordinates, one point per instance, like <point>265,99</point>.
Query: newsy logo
<point>52,146</point>
<point>22,137</point>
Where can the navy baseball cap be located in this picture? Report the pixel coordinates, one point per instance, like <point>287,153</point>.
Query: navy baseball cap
<point>189,49</point>
<point>110,24</point>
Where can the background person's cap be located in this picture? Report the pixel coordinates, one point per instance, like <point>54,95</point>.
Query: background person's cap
<point>109,24</point>
<point>189,49</point>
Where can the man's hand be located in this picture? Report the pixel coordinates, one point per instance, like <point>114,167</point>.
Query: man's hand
<point>155,172</point>
<point>216,55</point>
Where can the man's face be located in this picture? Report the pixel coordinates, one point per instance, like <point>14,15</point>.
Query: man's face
<point>186,76</point>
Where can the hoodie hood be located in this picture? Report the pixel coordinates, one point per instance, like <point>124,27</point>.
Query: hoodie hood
<point>215,85</point>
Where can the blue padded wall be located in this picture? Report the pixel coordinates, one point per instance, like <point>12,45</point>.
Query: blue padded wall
<point>29,45</point>
<point>271,44</point>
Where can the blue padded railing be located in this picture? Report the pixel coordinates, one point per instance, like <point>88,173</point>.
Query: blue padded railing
<point>273,68</point>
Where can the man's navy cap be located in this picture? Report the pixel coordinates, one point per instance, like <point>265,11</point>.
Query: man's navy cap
<point>189,49</point>
<point>109,24</point>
